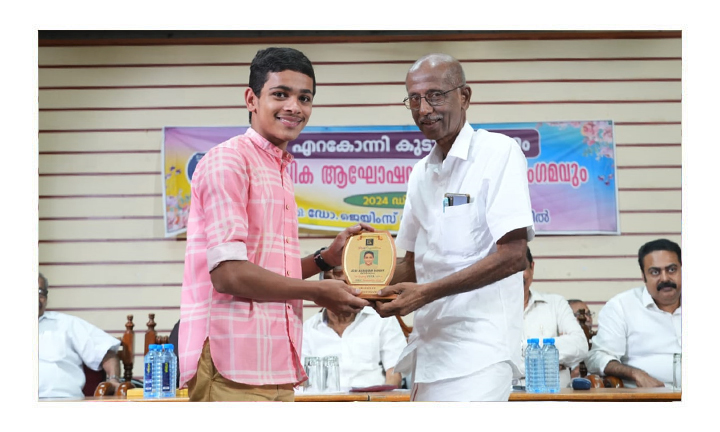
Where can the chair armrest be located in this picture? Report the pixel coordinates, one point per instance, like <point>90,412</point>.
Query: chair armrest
<point>107,389</point>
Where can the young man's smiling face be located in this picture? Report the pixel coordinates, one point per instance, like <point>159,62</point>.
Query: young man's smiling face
<point>369,258</point>
<point>283,108</point>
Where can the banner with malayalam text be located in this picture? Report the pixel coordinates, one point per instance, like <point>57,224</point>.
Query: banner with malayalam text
<point>345,175</point>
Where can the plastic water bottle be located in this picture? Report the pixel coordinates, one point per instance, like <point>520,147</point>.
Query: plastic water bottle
<point>534,375</point>
<point>150,390</point>
<point>157,370</point>
<point>551,363</point>
<point>169,371</point>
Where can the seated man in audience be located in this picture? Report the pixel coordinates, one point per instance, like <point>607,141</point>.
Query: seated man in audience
<point>65,343</point>
<point>366,345</point>
<point>577,305</point>
<point>549,316</point>
<point>639,330</point>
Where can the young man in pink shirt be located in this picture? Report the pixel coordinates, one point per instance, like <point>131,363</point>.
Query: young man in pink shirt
<point>243,289</point>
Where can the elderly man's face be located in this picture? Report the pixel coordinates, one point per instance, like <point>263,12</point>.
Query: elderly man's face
<point>42,294</point>
<point>441,122</point>
<point>335,273</point>
<point>663,277</point>
<point>588,315</point>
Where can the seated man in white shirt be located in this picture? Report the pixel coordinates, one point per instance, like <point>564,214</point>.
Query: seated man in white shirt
<point>366,345</point>
<point>639,330</point>
<point>550,316</point>
<point>65,343</point>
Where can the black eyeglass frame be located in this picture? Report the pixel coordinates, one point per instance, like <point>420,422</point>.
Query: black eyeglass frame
<point>588,313</point>
<point>406,101</point>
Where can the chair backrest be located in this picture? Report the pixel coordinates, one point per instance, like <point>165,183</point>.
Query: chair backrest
<point>405,328</point>
<point>151,336</point>
<point>127,357</point>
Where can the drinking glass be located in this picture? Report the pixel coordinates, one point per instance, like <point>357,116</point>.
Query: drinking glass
<point>332,374</point>
<point>677,371</point>
<point>314,369</point>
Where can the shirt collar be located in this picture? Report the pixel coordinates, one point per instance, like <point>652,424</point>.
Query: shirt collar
<point>536,297</point>
<point>648,302</point>
<point>263,144</point>
<point>460,148</point>
<point>47,315</point>
<point>367,310</point>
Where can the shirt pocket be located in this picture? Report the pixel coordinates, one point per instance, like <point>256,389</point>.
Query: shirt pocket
<point>458,227</point>
<point>52,346</point>
<point>365,350</point>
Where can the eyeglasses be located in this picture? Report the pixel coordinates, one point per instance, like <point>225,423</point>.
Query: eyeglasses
<point>433,98</point>
<point>42,292</point>
<point>587,313</point>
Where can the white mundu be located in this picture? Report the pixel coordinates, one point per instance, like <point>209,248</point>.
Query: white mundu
<point>461,334</point>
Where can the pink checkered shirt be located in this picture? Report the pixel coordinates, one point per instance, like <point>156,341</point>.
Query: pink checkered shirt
<point>243,208</point>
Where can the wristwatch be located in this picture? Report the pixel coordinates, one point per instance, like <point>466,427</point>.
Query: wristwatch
<point>320,262</point>
<point>112,377</point>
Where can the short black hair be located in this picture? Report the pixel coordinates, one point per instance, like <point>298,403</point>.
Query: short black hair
<point>369,252</point>
<point>658,245</point>
<point>275,59</point>
<point>528,255</point>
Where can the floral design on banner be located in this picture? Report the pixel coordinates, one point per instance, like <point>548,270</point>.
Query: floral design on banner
<point>599,137</point>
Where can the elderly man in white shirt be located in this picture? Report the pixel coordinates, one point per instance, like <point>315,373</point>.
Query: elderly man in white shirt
<point>550,316</point>
<point>366,345</point>
<point>639,330</point>
<point>65,343</point>
<point>465,226</point>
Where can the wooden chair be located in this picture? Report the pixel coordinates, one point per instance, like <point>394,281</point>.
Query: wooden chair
<point>127,358</point>
<point>151,336</point>
<point>126,353</point>
<point>405,328</point>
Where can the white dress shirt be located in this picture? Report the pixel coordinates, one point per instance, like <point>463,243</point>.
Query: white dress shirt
<point>550,316</point>
<point>635,332</point>
<point>461,334</point>
<point>369,346</point>
<point>65,343</point>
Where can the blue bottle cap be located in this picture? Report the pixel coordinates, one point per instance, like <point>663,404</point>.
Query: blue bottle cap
<point>169,347</point>
<point>549,341</point>
<point>533,340</point>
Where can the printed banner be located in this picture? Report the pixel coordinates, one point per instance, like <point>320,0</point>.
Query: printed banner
<point>345,175</point>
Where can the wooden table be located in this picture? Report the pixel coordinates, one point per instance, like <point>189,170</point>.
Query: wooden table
<point>565,395</point>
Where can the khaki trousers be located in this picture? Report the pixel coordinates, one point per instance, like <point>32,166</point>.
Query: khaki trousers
<point>209,386</point>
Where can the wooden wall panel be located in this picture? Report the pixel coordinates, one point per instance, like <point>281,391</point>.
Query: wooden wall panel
<point>102,110</point>
<point>390,93</point>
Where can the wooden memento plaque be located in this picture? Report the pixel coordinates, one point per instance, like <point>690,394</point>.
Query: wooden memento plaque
<point>369,260</point>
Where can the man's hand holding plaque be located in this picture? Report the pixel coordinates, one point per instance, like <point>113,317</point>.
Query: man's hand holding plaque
<point>368,262</point>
